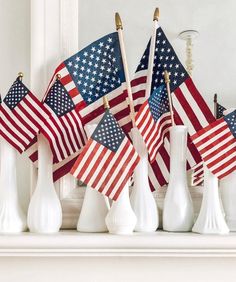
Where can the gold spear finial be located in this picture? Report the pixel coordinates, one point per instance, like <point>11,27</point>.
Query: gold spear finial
<point>58,76</point>
<point>118,21</point>
<point>167,77</point>
<point>20,75</point>
<point>105,102</point>
<point>156,14</point>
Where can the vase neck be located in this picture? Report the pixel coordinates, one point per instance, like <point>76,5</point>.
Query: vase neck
<point>45,159</point>
<point>178,149</point>
<point>8,184</point>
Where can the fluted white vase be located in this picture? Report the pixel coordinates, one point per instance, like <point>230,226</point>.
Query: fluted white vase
<point>141,198</point>
<point>210,219</point>
<point>44,213</point>
<point>228,196</point>
<point>121,219</point>
<point>178,214</point>
<point>95,206</point>
<point>12,218</point>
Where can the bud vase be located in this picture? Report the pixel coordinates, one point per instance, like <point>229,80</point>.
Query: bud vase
<point>210,219</point>
<point>141,198</point>
<point>121,219</point>
<point>178,214</point>
<point>44,213</point>
<point>12,218</point>
<point>95,206</point>
<point>228,195</point>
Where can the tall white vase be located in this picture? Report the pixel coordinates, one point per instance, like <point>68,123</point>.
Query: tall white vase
<point>141,198</point>
<point>121,219</point>
<point>210,219</point>
<point>12,218</point>
<point>178,214</point>
<point>95,206</point>
<point>228,195</point>
<point>44,213</point>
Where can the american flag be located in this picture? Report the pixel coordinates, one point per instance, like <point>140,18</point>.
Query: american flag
<point>190,108</point>
<point>63,129</point>
<point>108,159</point>
<point>93,72</point>
<point>198,170</point>
<point>21,116</point>
<point>217,145</point>
<point>153,120</point>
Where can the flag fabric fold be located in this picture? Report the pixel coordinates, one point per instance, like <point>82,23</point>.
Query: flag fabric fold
<point>108,159</point>
<point>21,116</point>
<point>217,145</point>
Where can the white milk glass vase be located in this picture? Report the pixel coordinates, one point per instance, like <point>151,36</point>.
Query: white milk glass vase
<point>141,198</point>
<point>178,214</point>
<point>12,218</point>
<point>44,213</point>
<point>95,206</point>
<point>210,219</point>
<point>228,196</point>
<point>121,219</point>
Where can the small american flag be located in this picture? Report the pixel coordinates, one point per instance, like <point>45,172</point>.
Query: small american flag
<point>217,145</point>
<point>21,116</point>
<point>153,120</point>
<point>63,129</point>
<point>108,159</point>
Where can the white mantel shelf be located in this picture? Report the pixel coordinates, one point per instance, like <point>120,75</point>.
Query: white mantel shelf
<point>158,244</point>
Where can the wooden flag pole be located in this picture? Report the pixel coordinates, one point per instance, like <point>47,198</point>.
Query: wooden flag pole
<point>152,53</point>
<point>119,29</point>
<point>167,81</point>
<point>215,105</point>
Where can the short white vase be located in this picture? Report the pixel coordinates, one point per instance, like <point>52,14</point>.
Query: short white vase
<point>95,206</point>
<point>210,219</point>
<point>228,196</point>
<point>141,198</point>
<point>178,214</point>
<point>12,218</point>
<point>121,219</point>
<point>44,213</point>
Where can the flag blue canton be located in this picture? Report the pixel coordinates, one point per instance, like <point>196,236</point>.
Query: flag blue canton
<point>59,100</point>
<point>220,111</point>
<point>158,102</point>
<point>108,132</point>
<point>16,93</point>
<point>165,58</point>
<point>230,119</point>
<point>97,69</point>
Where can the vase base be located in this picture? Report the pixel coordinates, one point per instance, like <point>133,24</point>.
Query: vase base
<point>84,230</point>
<point>121,230</point>
<point>231,224</point>
<point>211,231</point>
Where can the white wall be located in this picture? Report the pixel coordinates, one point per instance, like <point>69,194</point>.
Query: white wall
<point>15,57</point>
